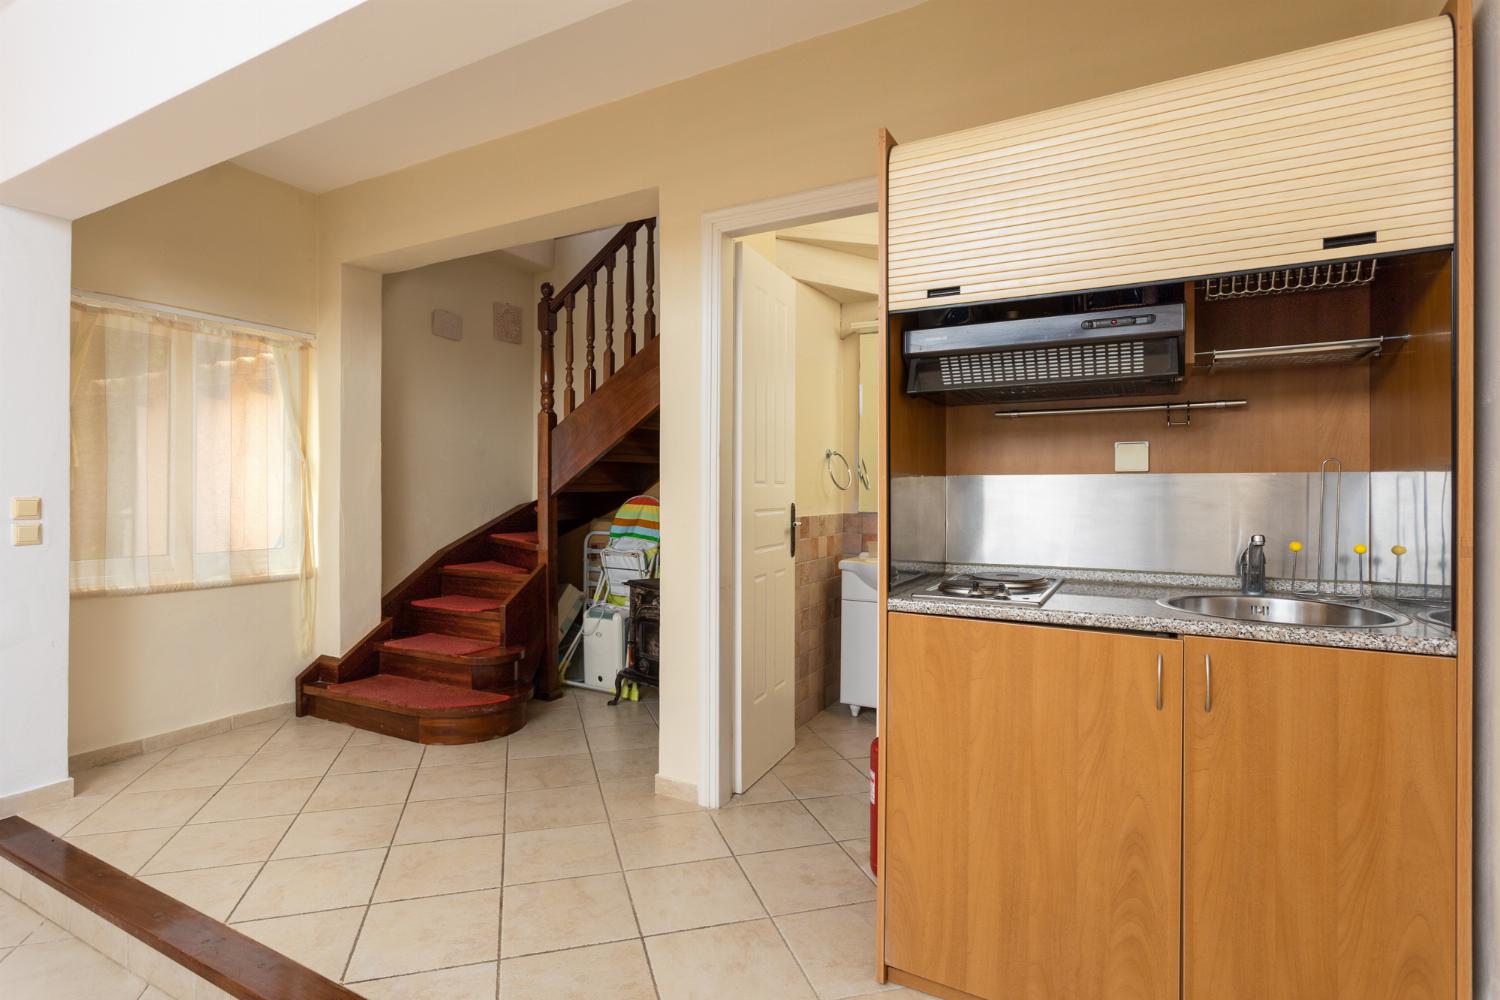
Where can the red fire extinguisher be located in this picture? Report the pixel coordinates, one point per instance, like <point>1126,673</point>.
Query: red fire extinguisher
<point>874,802</point>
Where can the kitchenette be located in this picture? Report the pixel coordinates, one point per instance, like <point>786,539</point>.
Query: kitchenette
<point>1176,538</point>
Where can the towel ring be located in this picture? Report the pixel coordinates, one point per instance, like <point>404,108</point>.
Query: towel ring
<point>864,475</point>
<point>828,457</point>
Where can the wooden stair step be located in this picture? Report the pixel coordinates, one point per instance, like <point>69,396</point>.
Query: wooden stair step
<point>460,603</point>
<point>487,578</point>
<point>518,539</point>
<point>487,567</point>
<point>405,693</point>
<point>520,548</point>
<point>438,644</point>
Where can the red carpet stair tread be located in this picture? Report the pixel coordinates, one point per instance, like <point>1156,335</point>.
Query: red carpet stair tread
<point>487,568</point>
<point>460,603</point>
<point>403,692</point>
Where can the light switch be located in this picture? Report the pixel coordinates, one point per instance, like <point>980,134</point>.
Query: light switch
<point>25,508</point>
<point>25,534</point>
<point>1132,456</point>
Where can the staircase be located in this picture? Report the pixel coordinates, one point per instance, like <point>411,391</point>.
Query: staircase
<point>471,636</point>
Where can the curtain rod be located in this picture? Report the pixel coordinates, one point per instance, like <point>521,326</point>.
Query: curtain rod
<point>99,298</point>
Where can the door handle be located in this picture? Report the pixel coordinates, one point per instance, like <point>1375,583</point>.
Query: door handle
<point>1208,683</point>
<point>795,525</point>
<point>1158,682</point>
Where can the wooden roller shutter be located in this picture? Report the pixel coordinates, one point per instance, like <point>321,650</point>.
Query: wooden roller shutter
<point>1238,169</point>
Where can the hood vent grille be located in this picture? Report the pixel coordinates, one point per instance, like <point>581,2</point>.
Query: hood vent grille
<point>1045,364</point>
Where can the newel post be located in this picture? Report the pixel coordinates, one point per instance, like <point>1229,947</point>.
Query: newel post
<point>546,325</point>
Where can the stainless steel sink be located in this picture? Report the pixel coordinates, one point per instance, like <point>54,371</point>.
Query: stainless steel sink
<point>1283,611</point>
<point>1441,616</point>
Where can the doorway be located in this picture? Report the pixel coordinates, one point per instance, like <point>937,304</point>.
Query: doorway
<point>804,309</point>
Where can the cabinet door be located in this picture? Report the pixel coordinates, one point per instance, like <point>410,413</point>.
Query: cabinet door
<point>1320,824</point>
<point>1033,809</point>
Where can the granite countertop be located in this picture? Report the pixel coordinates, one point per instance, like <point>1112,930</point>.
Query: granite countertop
<point>1128,603</point>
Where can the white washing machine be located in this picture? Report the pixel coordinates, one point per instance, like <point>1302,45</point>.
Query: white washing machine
<point>859,633</point>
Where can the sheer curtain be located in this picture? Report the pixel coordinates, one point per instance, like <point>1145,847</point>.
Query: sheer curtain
<point>189,454</point>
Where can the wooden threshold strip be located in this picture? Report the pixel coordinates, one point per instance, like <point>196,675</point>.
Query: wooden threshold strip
<point>239,965</point>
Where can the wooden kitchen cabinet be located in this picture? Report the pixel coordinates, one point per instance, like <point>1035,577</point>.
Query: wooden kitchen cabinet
<point>1320,823</point>
<point>1033,811</point>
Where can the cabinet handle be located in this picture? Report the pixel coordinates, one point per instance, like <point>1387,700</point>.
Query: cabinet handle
<point>1208,683</point>
<point>1158,682</point>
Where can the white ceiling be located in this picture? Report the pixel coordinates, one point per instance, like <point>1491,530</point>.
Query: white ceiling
<point>625,50</point>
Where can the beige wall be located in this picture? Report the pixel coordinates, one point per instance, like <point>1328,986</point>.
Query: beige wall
<point>224,241</point>
<point>458,445</point>
<point>788,121</point>
<point>827,417</point>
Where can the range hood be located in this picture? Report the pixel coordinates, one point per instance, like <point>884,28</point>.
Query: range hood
<point>1110,352</point>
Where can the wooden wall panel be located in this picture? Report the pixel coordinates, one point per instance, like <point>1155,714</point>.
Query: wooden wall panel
<point>1411,389</point>
<point>1242,168</point>
<point>918,427</point>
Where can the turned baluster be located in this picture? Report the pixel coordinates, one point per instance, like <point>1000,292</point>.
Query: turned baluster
<point>630,297</point>
<point>609,317</point>
<point>568,398</point>
<point>649,321</point>
<point>546,324</point>
<point>590,380</point>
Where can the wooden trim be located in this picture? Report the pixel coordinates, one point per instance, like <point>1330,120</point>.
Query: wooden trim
<point>362,660</point>
<point>606,254</point>
<point>603,420</point>
<point>915,982</point>
<point>1462,15</point>
<point>885,142</point>
<point>239,965</point>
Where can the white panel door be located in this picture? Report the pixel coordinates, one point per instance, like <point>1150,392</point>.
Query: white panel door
<point>765,662</point>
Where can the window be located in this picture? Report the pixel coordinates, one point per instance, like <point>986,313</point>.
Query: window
<point>189,463</point>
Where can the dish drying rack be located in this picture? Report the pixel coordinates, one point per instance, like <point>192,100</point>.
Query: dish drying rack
<point>1312,278</point>
<point>1326,352</point>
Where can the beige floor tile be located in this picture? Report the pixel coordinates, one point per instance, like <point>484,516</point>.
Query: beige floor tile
<point>59,818</point>
<point>632,798</point>
<point>618,764</point>
<point>320,941</point>
<point>577,974</point>
<point>836,948</point>
<point>356,791</point>
<point>302,735</point>
<point>547,743</point>
<point>65,970</point>
<point>862,764</point>
<point>448,819</point>
<point>668,840</point>
<point>459,781</point>
<point>567,913</point>
<point>235,743</point>
<point>745,961</point>
<point>17,921</point>
<point>772,826</point>
<point>820,778</point>
<point>127,851</point>
<point>859,850</point>
<point>853,744</point>
<point>380,757</point>
<point>109,779</point>
<point>836,721</point>
<point>806,878</point>
<point>419,935</point>
<point>365,738</point>
<point>810,747</point>
<point>632,737</point>
<point>213,892</point>
<point>551,717</point>
<point>768,789</point>
<point>697,894</point>
<point>568,852</point>
<point>599,714</point>
<point>549,808</point>
<point>467,982</point>
<point>531,773</point>
<point>47,933</point>
<point>258,798</point>
<point>145,810</point>
<point>306,885</point>
<point>216,845</point>
<point>466,753</point>
<point>845,817</point>
<point>892,992</point>
<point>277,765</point>
<point>441,867</point>
<point>340,830</point>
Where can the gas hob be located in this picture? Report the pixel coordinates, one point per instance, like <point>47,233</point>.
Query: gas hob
<point>1009,588</point>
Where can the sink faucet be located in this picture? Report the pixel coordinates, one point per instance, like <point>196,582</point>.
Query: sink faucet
<point>1251,567</point>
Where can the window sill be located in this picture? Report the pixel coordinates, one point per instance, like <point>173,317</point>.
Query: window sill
<point>180,588</point>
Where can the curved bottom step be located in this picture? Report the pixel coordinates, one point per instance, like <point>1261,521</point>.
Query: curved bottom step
<point>420,711</point>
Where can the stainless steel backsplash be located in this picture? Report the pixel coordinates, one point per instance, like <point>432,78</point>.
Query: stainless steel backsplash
<point>1179,523</point>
